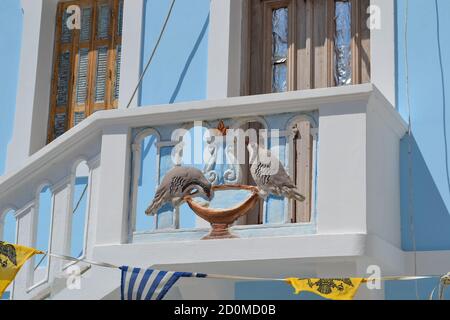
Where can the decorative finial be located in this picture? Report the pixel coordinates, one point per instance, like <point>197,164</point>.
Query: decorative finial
<point>222,128</point>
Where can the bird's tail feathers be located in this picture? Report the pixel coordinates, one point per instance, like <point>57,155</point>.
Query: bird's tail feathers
<point>155,205</point>
<point>294,194</point>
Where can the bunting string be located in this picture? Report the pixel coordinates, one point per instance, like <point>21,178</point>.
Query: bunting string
<point>152,284</point>
<point>243,278</point>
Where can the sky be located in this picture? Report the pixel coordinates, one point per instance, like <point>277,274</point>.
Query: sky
<point>11,20</point>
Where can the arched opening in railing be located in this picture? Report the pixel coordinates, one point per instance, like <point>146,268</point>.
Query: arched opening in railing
<point>201,152</point>
<point>146,164</point>
<point>42,232</point>
<point>8,226</point>
<point>79,214</point>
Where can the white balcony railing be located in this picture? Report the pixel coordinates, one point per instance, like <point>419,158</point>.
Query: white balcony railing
<point>355,159</point>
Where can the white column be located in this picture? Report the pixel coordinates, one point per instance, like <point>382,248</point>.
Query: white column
<point>61,231</point>
<point>341,183</point>
<point>94,191</point>
<point>382,44</point>
<point>130,69</point>
<point>25,228</point>
<point>33,92</point>
<point>114,185</point>
<point>224,49</point>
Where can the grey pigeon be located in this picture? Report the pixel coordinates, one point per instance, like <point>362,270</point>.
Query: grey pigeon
<point>178,183</point>
<point>270,175</point>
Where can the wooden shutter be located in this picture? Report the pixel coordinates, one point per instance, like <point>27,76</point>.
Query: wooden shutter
<point>311,45</point>
<point>361,41</point>
<point>302,162</point>
<point>255,215</point>
<point>86,72</point>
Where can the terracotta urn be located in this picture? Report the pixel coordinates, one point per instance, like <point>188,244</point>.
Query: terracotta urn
<point>222,219</point>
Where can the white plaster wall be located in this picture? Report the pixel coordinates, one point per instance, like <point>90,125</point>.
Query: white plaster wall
<point>383,177</point>
<point>24,237</point>
<point>382,46</point>
<point>224,49</point>
<point>94,191</point>
<point>342,169</point>
<point>114,186</point>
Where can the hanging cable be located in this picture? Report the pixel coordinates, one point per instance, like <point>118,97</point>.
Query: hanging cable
<point>40,261</point>
<point>445,280</point>
<point>153,53</point>
<point>410,159</point>
<point>81,198</point>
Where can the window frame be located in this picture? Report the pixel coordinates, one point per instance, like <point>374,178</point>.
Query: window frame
<point>268,7</point>
<point>93,44</point>
<point>257,15</point>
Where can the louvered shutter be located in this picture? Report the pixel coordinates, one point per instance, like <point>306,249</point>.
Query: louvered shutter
<point>86,73</point>
<point>302,145</point>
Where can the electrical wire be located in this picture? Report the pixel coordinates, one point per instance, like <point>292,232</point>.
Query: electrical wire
<point>153,53</point>
<point>410,158</point>
<point>81,198</point>
<point>229,277</point>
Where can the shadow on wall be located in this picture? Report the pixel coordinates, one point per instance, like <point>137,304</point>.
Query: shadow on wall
<point>191,56</point>
<point>178,72</point>
<point>431,217</point>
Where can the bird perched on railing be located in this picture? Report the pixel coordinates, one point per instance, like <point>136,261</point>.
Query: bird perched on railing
<point>179,183</point>
<point>270,175</point>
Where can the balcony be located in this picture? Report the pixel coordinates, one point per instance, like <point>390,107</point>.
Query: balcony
<point>354,211</point>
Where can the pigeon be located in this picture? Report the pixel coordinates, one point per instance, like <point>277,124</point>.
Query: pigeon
<point>178,183</point>
<point>270,175</point>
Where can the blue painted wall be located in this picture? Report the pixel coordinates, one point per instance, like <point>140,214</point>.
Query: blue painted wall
<point>10,20</point>
<point>425,177</point>
<point>429,87</point>
<point>179,68</point>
